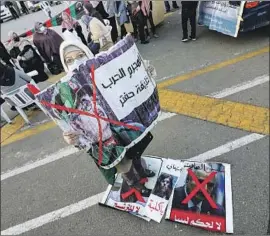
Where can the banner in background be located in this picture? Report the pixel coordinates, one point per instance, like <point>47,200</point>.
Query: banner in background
<point>75,10</point>
<point>221,16</point>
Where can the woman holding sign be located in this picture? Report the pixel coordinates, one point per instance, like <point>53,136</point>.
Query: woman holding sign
<point>89,122</point>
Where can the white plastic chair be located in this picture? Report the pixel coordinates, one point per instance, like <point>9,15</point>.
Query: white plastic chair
<point>22,98</point>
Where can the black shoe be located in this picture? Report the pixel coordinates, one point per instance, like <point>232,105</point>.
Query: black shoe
<point>184,39</point>
<point>176,7</point>
<point>13,108</point>
<point>145,42</point>
<point>167,11</point>
<point>192,38</point>
<point>147,174</point>
<point>146,192</point>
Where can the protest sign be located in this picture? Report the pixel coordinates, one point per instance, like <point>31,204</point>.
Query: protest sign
<point>127,85</point>
<point>203,197</point>
<point>158,200</point>
<point>124,198</point>
<point>221,16</point>
<point>83,102</point>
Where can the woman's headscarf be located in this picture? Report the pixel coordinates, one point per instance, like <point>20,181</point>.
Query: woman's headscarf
<point>73,43</point>
<point>37,27</point>
<point>69,22</point>
<point>20,44</point>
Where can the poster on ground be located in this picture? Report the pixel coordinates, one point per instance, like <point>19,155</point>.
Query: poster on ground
<point>203,197</point>
<point>122,197</point>
<point>117,102</point>
<point>164,187</point>
<point>221,16</point>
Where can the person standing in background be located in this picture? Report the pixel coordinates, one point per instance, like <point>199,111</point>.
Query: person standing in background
<point>46,7</point>
<point>70,24</point>
<point>16,7</point>
<point>4,55</point>
<point>10,6</point>
<point>24,8</point>
<point>122,17</point>
<point>139,20</point>
<point>147,8</point>
<point>133,21</point>
<point>168,7</point>
<point>189,9</point>
<point>110,8</point>
<point>91,11</point>
<point>48,42</point>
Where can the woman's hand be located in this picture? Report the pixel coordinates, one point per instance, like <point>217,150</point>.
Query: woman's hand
<point>71,138</point>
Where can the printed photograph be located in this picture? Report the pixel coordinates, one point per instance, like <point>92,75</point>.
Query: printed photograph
<point>164,186</point>
<point>215,187</point>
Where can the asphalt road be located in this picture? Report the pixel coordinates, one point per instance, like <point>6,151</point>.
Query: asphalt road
<point>33,197</point>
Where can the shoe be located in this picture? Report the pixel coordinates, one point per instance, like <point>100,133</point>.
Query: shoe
<point>145,42</point>
<point>147,174</point>
<point>155,36</point>
<point>176,7</point>
<point>192,38</point>
<point>168,11</point>
<point>145,192</point>
<point>13,108</point>
<point>184,39</point>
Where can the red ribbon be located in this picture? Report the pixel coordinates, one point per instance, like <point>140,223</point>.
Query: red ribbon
<point>33,89</point>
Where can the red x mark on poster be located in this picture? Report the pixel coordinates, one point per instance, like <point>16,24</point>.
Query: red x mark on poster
<point>135,191</point>
<point>34,90</point>
<point>200,187</point>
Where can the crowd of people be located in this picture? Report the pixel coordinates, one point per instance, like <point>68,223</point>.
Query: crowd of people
<point>100,18</point>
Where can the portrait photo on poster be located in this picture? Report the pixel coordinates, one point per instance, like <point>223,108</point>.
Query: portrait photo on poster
<point>200,196</point>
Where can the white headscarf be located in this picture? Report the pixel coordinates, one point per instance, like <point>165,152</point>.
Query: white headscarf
<point>77,44</point>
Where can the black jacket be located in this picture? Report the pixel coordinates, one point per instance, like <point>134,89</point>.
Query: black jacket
<point>4,55</point>
<point>7,75</point>
<point>189,4</point>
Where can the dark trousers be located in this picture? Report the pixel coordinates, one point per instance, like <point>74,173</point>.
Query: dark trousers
<point>80,34</point>
<point>13,13</point>
<point>139,22</point>
<point>123,31</point>
<point>114,32</point>
<point>151,21</point>
<point>135,27</point>
<point>168,7</point>
<point>189,14</point>
<point>24,8</point>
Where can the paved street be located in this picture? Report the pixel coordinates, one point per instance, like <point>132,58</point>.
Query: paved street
<point>214,94</point>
